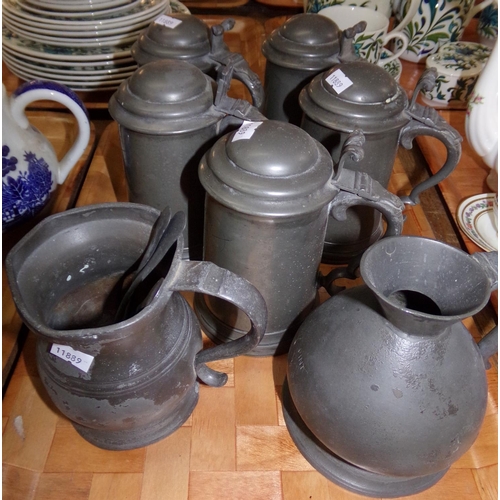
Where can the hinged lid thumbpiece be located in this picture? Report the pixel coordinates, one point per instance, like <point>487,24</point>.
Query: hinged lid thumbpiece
<point>163,97</point>
<point>275,170</point>
<point>306,42</point>
<point>356,95</point>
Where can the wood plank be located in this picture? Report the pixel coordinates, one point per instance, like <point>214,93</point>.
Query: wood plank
<point>55,486</point>
<point>255,391</point>
<point>213,430</point>
<point>249,485</point>
<point>166,471</point>
<point>116,486</point>
<point>18,483</point>
<point>487,482</point>
<point>263,447</point>
<point>82,456</point>
<point>304,485</point>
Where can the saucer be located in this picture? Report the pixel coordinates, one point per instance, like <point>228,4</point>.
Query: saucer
<point>475,218</point>
<point>394,68</point>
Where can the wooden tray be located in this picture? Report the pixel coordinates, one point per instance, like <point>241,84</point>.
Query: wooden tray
<point>234,446</point>
<point>61,130</point>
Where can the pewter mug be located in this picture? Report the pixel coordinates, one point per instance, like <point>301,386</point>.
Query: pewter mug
<point>376,104</point>
<point>186,38</point>
<point>270,189</point>
<point>122,384</point>
<point>305,45</point>
<point>386,388</point>
<point>169,114</point>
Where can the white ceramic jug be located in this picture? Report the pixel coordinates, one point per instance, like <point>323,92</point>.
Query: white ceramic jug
<point>30,168</point>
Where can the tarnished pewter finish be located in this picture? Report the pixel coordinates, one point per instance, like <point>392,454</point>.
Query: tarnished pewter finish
<point>141,384</point>
<point>387,388</point>
<point>379,107</point>
<point>305,45</point>
<point>192,41</point>
<point>169,114</point>
<point>268,200</point>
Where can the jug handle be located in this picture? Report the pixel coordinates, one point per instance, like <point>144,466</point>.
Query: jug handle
<point>427,121</point>
<point>488,346</point>
<point>206,277</point>
<point>53,91</point>
<point>222,56</point>
<point>476,9</point>
<point>358,188</point>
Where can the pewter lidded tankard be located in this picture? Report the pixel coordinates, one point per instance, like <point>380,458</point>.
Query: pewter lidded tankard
<point>360,95</point>
<point>123,382</point>
<point>169,114</point>
<point>186,38</point>
<point>270,188</point>
<point>305,45</point>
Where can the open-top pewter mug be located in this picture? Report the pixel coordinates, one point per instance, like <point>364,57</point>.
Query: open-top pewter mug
<point>122,384</point>
<point>31,170</point>
<point>270,189</point>
<point>385,387</point>
<point>296,51</point>
<point>169,114</point>
<point>186,38</point>
<point>359,95</point>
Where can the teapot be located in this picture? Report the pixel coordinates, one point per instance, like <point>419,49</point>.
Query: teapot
<point>123,384</point>
<point>385,387</point>
<point>31,170</point>
<point>186,38</point>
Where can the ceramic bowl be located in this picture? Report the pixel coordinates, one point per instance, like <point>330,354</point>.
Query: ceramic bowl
<point>458,66</point>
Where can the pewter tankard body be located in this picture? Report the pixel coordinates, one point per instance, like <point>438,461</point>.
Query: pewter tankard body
<point>305,45</point>
<point>361,95</point>
<point>270,188</point>
<point>184,37</point>
<point>169,114</point>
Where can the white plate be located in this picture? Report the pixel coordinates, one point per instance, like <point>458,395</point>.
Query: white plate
<point>41,73</point>
<point>394,68</point>
<point>74,6</point>
<point>80,85</point>
<point>145,9</point>
<point>49,52</point>
<point>18,24</point>
<point>96,41</point>
<point>476,219</point>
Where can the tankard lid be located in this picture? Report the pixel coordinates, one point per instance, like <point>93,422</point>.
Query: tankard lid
<point>165,96</point>
<point>176,36</point>
<point>305,41</point>
<point>269,168</point>
<point>355,95</point>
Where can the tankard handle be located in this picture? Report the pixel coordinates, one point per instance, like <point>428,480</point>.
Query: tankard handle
<point>427,121</point>
<point>46,90</point>
<point>206,277</point>
<point>222,56</point>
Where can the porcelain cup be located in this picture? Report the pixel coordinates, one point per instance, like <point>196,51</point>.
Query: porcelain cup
<point>434,24</point>
<point>369,44</point>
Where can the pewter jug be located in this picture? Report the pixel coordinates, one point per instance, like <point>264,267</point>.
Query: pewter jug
<point>270,188</point>
<point>122,384</point>
<point>169,114</point>
<point>385,387</point>
<point>305,45</point>
<point>186,38</point>
<point>359,95</point>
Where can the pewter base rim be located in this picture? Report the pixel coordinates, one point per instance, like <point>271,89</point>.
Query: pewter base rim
<point>344,474</point>
<point>272,343</point>
<point>139,437</point>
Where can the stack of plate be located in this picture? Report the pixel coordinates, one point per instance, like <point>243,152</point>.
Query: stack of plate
<point>83,44</point>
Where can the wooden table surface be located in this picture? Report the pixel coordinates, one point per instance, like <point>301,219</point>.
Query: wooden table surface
<point>235,445</point>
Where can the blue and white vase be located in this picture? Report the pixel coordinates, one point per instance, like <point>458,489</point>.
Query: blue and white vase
<point>30,168</point>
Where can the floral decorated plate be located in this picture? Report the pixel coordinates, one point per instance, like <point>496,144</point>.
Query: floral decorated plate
<point>476,218</point>
<point>393,67</point>
<point>77,6</point>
